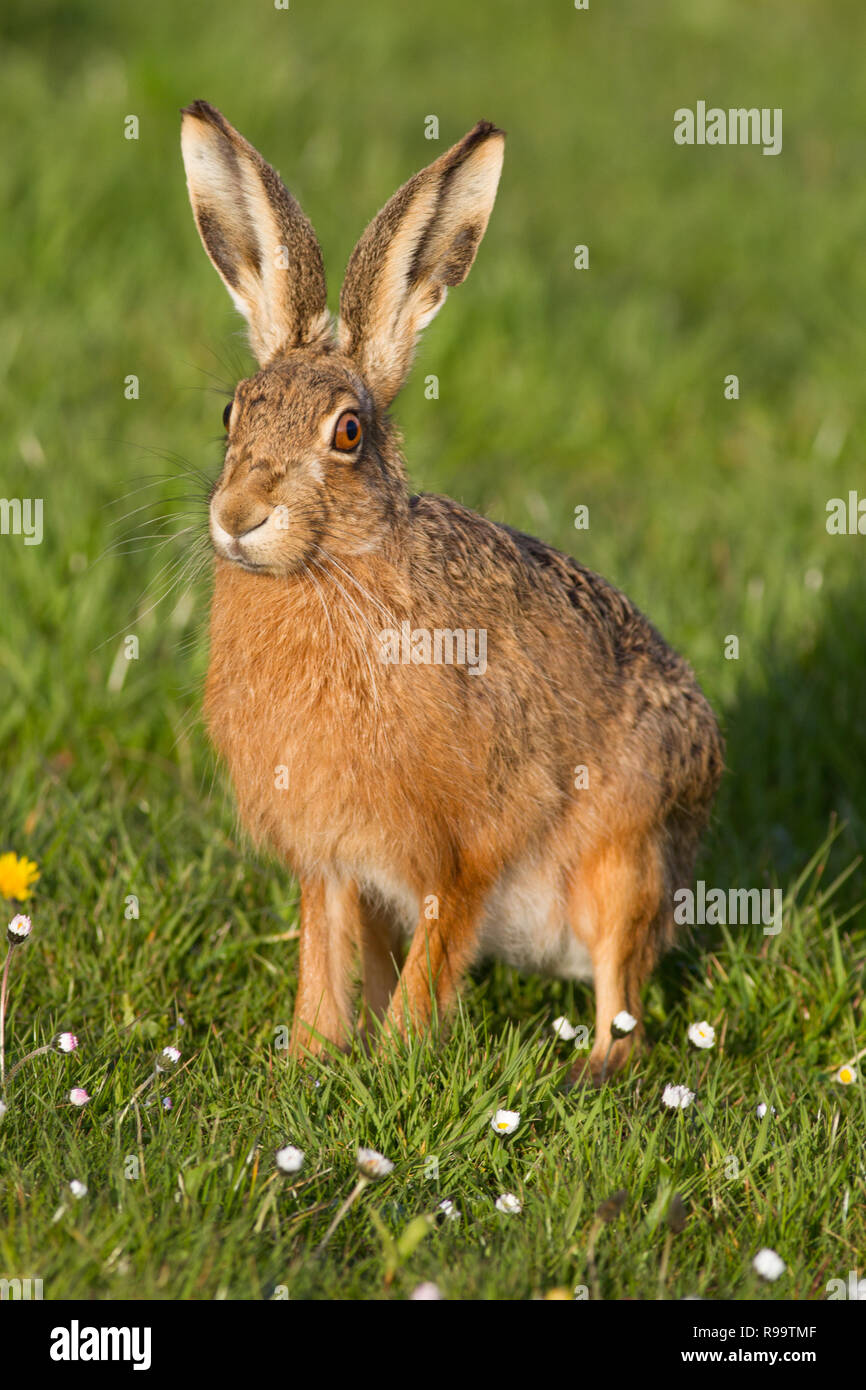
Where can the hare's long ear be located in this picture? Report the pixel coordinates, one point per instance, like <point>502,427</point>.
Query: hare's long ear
<point>256,235</point>
<point>422,241</point>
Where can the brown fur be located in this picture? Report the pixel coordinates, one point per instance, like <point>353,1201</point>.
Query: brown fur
<point>423,801</point>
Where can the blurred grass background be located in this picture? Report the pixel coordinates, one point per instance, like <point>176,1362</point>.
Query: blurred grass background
<point>556,387</point>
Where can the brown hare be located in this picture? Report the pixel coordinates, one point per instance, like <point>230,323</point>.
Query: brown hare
<point>464,743</point>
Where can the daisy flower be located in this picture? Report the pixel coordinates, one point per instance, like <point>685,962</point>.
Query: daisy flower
<point>846,1075</point>
<point>623,1024</point>
<point>761,1110</point>
<point>290,1159</point>
<point>702,1034</point>
<point>66,1042</point>
<point>19,929</point>
<point>168,1058</point>
<point>564,1030</point>
<point>677,1097</point>
<point>78,1189</point>
<point>448,1210</point>
<point>505,1121</point>
<point>425,1293</point>
<point>373,1164</point>
<point>78,1096</point>
<point>768,1264</point>
<point>511,1205</point>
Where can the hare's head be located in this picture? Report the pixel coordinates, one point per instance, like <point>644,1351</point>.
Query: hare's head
<point>311,460</point>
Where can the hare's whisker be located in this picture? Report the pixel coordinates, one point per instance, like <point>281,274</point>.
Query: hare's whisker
<point>166,516</point>
<point>310,574</point>
<point>358,585</point>
<point>360,643</point>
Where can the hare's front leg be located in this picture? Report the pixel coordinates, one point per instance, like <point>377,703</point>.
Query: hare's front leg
<point>442,949</point>
<point>330,932</point>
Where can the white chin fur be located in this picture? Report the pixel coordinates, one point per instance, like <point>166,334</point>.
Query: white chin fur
<point>254,547</point>
<point>221,538</point>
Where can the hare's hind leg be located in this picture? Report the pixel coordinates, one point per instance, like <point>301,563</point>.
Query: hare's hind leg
<point>617,904</point>
<point>330,931</point>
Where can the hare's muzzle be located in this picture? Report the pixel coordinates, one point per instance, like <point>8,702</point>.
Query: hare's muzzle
<point>239,548</point>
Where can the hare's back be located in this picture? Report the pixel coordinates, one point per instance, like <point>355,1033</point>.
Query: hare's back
<point>465,561</point>
<point>567,628</point>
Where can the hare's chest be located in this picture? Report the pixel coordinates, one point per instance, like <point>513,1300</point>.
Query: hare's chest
<point>291,724</point>
<point>290,758</point>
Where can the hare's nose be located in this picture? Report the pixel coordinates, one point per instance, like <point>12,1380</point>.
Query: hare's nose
<point>238,526</point>
<point>257,526</point>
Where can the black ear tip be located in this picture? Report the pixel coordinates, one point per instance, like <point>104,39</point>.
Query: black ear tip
<point>480,133</point>
<point>485,129</point>
<point>202,111</point>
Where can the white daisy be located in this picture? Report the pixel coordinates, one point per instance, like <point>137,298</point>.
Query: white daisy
<point>373,1164</point>
<point>168,1058</point>
<point>677,1097</point>
<point>290,1159</point>
<point>427,1292</point>
<point>511,1205</point>
<point>563,1029</point>
<point>768,1264</point>
<point>702,1034</point>
<point>78,1189</point>
<point>505,1121</point>
<point>19,929</point>
<point>623,1024</point>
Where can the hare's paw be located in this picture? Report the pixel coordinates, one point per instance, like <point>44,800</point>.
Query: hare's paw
<point>604,1062</point>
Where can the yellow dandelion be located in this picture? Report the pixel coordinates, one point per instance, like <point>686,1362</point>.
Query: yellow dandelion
<point>17,876</point>
<point>846,1075</point>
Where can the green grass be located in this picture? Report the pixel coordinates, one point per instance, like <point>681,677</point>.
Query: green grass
<point>556,387</point>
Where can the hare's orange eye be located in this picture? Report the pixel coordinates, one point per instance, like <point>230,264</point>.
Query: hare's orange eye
<point>348,433</point>
<point>227,414</point>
